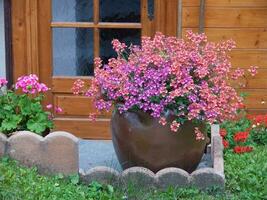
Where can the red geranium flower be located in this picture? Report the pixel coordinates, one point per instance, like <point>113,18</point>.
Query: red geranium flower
<point>225,144</point>
<point>223,132</point>
<point>241,136</point>
<point>241,149</point>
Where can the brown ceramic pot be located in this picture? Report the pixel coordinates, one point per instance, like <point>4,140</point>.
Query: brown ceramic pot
<point>139,140</point>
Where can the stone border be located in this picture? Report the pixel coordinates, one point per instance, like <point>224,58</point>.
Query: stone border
<point>58,153</point>
<point>141,177</point>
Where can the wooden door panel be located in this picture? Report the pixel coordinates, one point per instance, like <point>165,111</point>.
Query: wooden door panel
<point>85,128</point>
<point>77,106</point>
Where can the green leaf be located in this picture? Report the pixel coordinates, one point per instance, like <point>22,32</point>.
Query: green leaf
<point>10,123</point>
<point>38,124</point>
<point>74,179</point>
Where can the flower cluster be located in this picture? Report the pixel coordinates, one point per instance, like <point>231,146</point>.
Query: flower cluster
<point>77,86</point>
<point>30,84</point>
<point>199,134</point>
<point>242,149</point>
<point>239,139</point>
<point>57,108</point>
<point>241,136</point>
<point>258,120</point>
<point>24,110</point>
<point>223,134</point>
<point>3,82</point>
<point>189,78</point>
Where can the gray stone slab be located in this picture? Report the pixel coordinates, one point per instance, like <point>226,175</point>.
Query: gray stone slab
<point>93,153</point>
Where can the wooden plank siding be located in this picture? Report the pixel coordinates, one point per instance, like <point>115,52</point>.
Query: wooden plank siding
<point>244,21</point>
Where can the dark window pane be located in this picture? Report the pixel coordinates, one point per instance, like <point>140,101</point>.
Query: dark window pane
<point>120,10</point>
<point>128,36</point>
<point>72,52</point>
<point>72,10</point>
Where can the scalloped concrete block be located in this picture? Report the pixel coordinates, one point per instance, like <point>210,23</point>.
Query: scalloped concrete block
<point>218,162</point>
<point>24,147</point>
<point>139,177</point>
<point>60,154</point>
<point>101,174</point>
<point>3,142</point>
<point>174,177</point>
<point>207,177</point>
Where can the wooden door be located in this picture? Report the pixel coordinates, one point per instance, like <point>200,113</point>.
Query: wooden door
<point>65,36</point>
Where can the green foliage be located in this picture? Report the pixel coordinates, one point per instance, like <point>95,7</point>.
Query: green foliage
<point>246,177</point>
<point>233,127</point>
<point>259,135</point>
<point>246,174</point>
<point>18,183</point>
<point>23,112</point>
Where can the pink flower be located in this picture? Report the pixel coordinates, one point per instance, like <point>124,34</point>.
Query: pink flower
<point>58,109</point>
<point>93,116</point>
<point>3,82</point>
<point>118,46</point>
<point>238,73</point>
<point>253,70</point>
<point>163,121</point>
<point>49,106</point>
<point>188,77</point>
<point>175,126</point>
<point>30,84</point>
<point>199,135</point>
<point>77,86</point>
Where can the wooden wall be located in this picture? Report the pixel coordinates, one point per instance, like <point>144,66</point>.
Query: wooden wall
<point>244,21</point>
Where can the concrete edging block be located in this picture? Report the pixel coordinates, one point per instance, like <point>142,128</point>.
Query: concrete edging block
<point>24,147</point>
<point>3,144</point>
<point>174,177</point>
<point>101,174</point>
<point>56,153</point>
<point>139,177</point>
<point>207,177</point>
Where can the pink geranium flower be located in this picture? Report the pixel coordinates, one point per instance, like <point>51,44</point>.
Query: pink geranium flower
<point>188,77</point>
<point>3,82</point>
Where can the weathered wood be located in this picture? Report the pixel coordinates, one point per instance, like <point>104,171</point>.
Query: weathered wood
<point>201,16</point>
<point>179,20</point>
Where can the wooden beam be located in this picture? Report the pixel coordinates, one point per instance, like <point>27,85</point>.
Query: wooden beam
<point>201,16</point>
<point>180,16</point>
<point>32,36</point>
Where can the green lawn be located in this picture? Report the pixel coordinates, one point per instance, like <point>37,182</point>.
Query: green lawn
<point>246,179</point>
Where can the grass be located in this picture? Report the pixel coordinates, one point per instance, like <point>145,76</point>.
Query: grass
<point>246,179</point>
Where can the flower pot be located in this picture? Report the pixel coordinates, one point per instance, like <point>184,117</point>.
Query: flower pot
<point>139,140</point>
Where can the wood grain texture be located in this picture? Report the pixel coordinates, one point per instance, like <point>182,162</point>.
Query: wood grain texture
<point>256,99</point>
<point>245,38</point>
<point>77,106</point>
<point>84,128</point>
<point>19,36</point>
<point>93,25</point>
<point>226,17</point>
<point>228,3</point>
<point>245,58</point>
